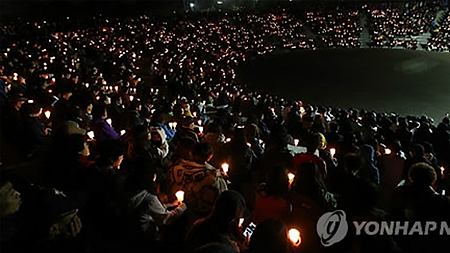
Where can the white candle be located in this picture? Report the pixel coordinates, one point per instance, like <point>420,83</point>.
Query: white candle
<point>291,178</point>
<point>47,114</point>
<point>296,141</point>
<point>91,134</point>
<point>109,121</point>
<point>225,167</point>
<point>180,196</point>
<point>387,151</point>
<point>200,128</point>
<point>294,236</point>
<point>241,221</point>
<point>228,140</point>
<point>131,97</point>
<point>123,132</point>
<point>332,152</point>
<point>174,125</point>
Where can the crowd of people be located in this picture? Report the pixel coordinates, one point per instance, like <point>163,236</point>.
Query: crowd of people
<point>336,29</point>
<point>440,40</point>
<point>132,134</point>
<point>399,25</point>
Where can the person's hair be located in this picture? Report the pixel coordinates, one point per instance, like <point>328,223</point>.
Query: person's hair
<point>140,136</point>
<point>184,147</point>
<point>418,150</point>
<point>98,111</point>
<point>75,143</point>
<point>270,236</point>
<point>308,181</point>
<point>277,181</point>
<point>110,150</point>
<point>201,152</point>
<point>312,142</point>
<point>227,205</point>
<point>352,162</point>
<point>422,173</point>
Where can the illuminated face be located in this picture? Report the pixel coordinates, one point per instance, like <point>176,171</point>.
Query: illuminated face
<point>10,200</point>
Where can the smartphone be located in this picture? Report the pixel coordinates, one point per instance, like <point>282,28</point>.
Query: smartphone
<point>249,230</point>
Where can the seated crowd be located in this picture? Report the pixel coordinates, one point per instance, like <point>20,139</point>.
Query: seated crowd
<point>133,134</point>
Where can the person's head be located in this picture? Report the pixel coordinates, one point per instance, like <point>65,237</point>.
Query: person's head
<point>308,180</point>
<point>270,236</point>
<point>277,181</point>
<point>157,135</point>
<point>77,143</point>
<point>202,153</point>
<point>230,206</point>
<point>352,163</point>
<point>312,142</point>
<point>188,123</point>
<point>99,111</point>
<point>10,200</point>
<point>111,153</point>
<point>417,150</point>
<point>422,174</point>
<point>184,148</point>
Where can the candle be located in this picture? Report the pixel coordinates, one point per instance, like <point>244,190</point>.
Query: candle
<point>200,128</point>
<point>171,125</point>
<point>195,114</point>
<point>131,97</point>
<point>91,134</point>
<point>332,152</point>
<point>30,101</point>
<point>116,88</point>
<point>174,125</point>
<point>442,170</point>
<point>109,121</point>
<point>296,141</point>
<point>387,151</point>
<point>225,167</point>
<point>123,132</point>
<point>47,114</point>
<point>228,140</point>
<point>249,145</point>
<point>180,196</point>
<point>291,177</point>
<point>241,221</point>
<point>199,122</point>
<point>294,236</point>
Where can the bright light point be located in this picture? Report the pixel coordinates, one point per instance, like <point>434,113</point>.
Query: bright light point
<point>91,134</point>
<point>291,177</point>
<point>387,151</point>
<point>225,167</point>
<point>192,5</point>
<point>332,151</point>
<point>296,141</point>
<point>109,121</point>
<point>47,114</point>
<point>294,236</point>
<point>180,196</point>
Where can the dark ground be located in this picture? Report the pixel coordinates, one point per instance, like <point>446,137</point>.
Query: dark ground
<point>402,81</point>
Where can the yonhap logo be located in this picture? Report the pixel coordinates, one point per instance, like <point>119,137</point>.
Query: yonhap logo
<point>332,227</point>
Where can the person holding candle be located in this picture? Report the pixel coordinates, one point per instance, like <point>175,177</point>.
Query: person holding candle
<point>200,181</point>
<point>101,128</point>
<point>148,216</point>
<point>313,142</point>
<point>270,236</point>
<point>274,193</point>
<point>221,225</point>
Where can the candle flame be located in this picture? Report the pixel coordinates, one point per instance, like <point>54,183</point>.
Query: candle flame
<point>47,114</point>
<point>200,128</point>
<point>91,134</point>
<point>332,151</point>
<point>296,141</point>
<point>387,151</point>
<point>109,121</point>
<point>180,196</point>
<point>294,236</point>
<point>291,178</point>
<point>225,167</point>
